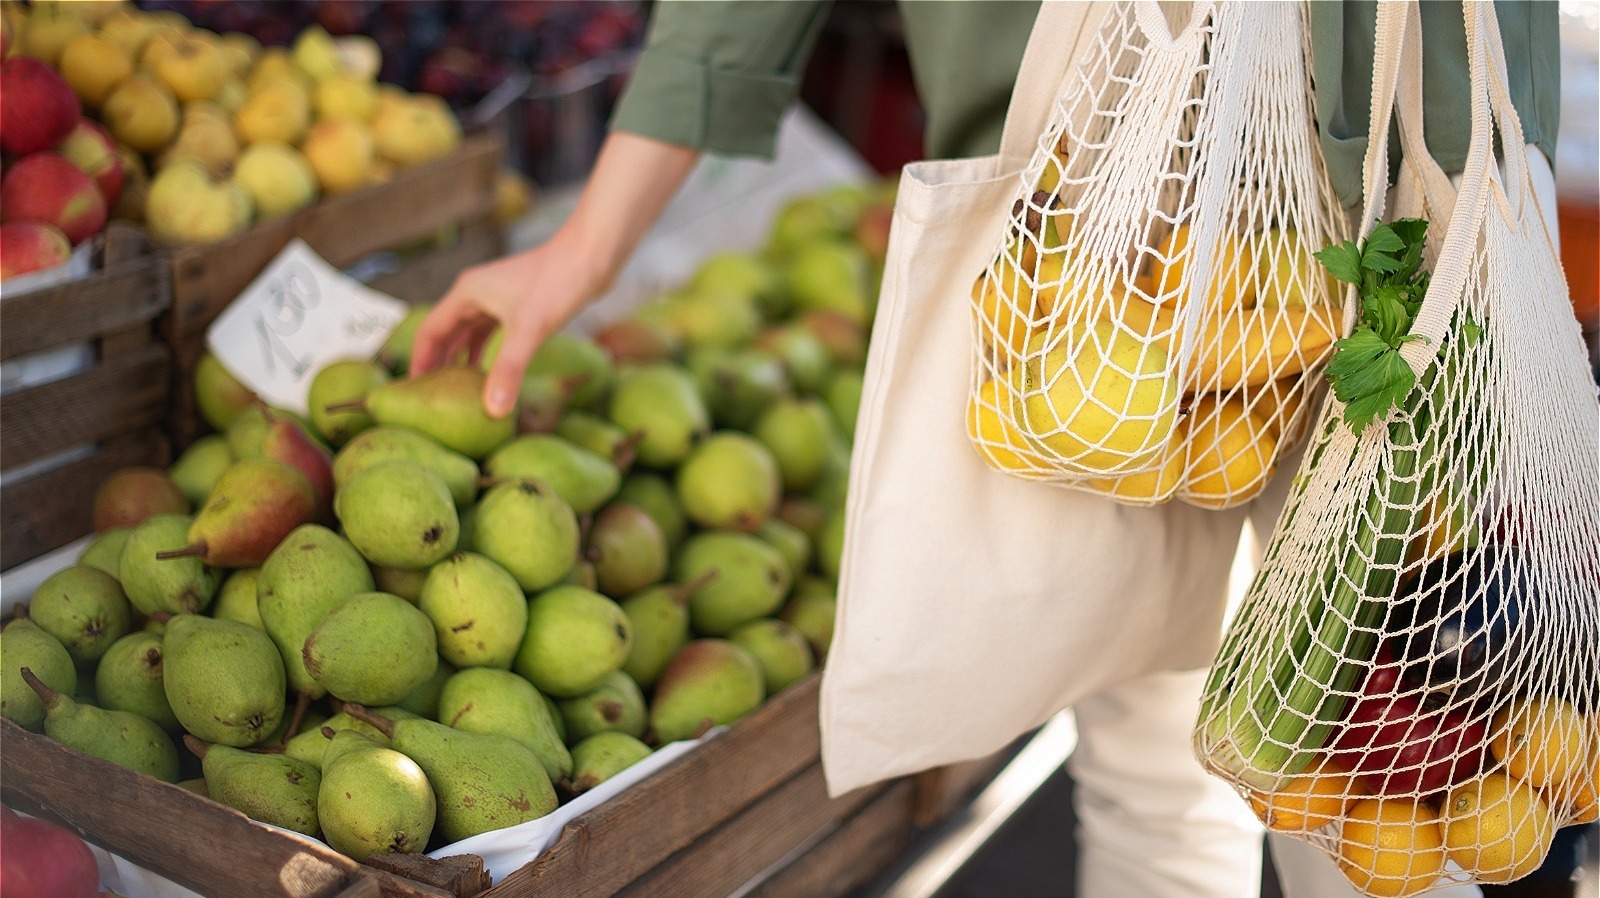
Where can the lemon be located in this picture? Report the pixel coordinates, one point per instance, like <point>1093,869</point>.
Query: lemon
<point>1255,346</point>
<point>1541,740</point>
<point>1149,487</point>
<point>1308,801</point>
<point>1230,453</point>
<point>1578,793</point>
<point>1497,827</point>
<point>1003,305</point>
<point>1391,847</point>
<point>993,434</point>
<point>1286,270</point>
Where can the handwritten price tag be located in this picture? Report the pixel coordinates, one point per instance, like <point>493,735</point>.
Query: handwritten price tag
<point>297,316</point>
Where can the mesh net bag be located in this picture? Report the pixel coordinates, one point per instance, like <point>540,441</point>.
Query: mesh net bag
<point>1413,681</point>
<point>1153,320</point>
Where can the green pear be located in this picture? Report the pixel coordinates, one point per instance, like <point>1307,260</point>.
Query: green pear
<point>791,542</point>
<point>372,648</point>
<point>554,707</point>
<point>616,704</point>
<point>743,274</point>
<point>423,701</point>
<point>784,655</point>
<point>200,466</point>
<point>738,384</point>
<point>601,757</point>
<point>713,318</point>
<point>528,529</point>
<point>398,514</point>
<point>478,611</point>
<point>845,337</point>
<point>84,608</point>
<point>347,380</point>
<point>729,482</point>
<point>842,395</point>
<point>466,541</point>
<point>811,610</point>
<point>751,580</point>
<point>658,499</point>
<point>396,351</point>
<point>482,781</point>
<point>197,786</point>
<point>407,583</point>
<point>659,617</point>
<point>310,743</point>
<point>599,436</point>
<point>237,599</point>
<point>381,444</point>
<point>152,584</point>
<point>805,220</point>
<point>798,433</point>
<point>576,360</point>
<point>579,476</point>
<point>582,574</point>
<point>830,275</point>
<point>131,677</point>
<point>485,700</point>
<point>830,542</point>
<point>626,548</point>
<point>218,394</point>
<point>312,572</point>
<point>125,739</point>
<point>445,404</point>
<point>224,679</point>
<point>372,799</point>
<point>803,354</point>
<point>575,639</point>
<point>833,482</point>
<point>24,643</point>
<point>105,550</point>
<point>710,682</point>
<point>662,404</point>
<point>271,788</point>
<point>542,399</point>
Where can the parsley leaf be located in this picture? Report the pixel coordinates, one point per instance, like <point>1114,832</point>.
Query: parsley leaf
<point>1369,376</point>
<point>1342,260</point>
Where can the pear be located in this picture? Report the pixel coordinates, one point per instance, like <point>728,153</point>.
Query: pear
<point>804,356</point>
<point>803,514</point>
<point>478,611</point>
<point>380,444</point>
<point>398,514</point>
<point>843,398</point>
<point>255,504</point>
<point>599,436</point>
<point>662,403</point>
<point>249,427</point>
<point>729,481</point>
<point>153,584</point>
<point>271,788</point>
<point>131,496</point>
<point>395,354</point>
<point>616,704</point>
<point>659,617</point>
<point>200,466</point>
<point>224,679</point>
<point>122,738</point>
<point>738,385</point>
<point>105,550</point>
<point>482,781</point>
<point>343,381</point>
<point>791,542</point>
<point>219,395</point>
<point>131,677</point>
<point>784,655</point>
<point>373,800</point>
<point>626,548</point>
<point>742,274</point>
<point>575,639</point>
<point>238,600</point>
<point>84,608</point>
<point>577,360</point>
<point>581,477</point>
<point>529,530</point>
<point>446,404</point>
<point>713,318</point>
<point>407,583</point>
<point>24,644</point>
<point>309,574</point>
<point>798,433</point>
<point>654,495</point>
<point>603,756</point>
<point>830,542</point>
<point>811,611</point>
<point>805,220</point>
<point>373,648</point>
<point>833,484</point>
<point>291,442</point>
<point>830,275</point>
<point>542,400</point>
<point>631,341</point>
<point>752,579</point>
<point>845,337</point>
<point>710,682</point>
<point>423,701</point>
<point>311,743</point>
<point>482,700</point>
<point>582,574</point>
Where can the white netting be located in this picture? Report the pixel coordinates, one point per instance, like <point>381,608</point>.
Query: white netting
<point>1413,681</point>
<point>1153,320</point>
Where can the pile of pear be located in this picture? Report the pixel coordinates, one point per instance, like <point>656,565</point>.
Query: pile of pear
<point>215,132</point>
<point>1081,378</point>
<point>398,622</point>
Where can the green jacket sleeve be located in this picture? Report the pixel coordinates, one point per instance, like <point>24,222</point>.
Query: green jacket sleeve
<point>718,76</point>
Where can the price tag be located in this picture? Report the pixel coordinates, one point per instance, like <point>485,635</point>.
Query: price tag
<point>297,316</point>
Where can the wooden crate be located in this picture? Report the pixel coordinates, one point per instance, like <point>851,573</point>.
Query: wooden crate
<point>112,413</point>
<point>436,219</point>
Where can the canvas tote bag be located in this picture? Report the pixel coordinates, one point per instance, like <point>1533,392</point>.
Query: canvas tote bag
<point>973,605</point>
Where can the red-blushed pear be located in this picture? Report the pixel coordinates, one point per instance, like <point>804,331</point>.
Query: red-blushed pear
<point>843,335</point>
<point>37,106</point>
<point>91,149</point>
<point>632,340</point>
<point>48,187</point>
<point>710,682</point>
<point>27,246</point>
<point>288,441</point>
<point>132,495</point>
<point>255,504</point>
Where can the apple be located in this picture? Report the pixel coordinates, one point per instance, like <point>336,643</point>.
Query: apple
<point>141,113</point>
<point>205,136</point>
<point>340,152</point>
<point>48,187</point>
<point>43,860</point>
<point>90,148</point>
<point>241,51</point>
<point>94,66</point>
<point>315,52</point>
<point>186,205</point>
<point>343,95</point>
<point>129,29</point>
<point>278,110</point>
<point>277,177</point>
<point>419,130</point>
<point>46,34</point>
<point>275,64</point>
<point>37,106</point>
<point>194,69</point>
<point>27,246</point>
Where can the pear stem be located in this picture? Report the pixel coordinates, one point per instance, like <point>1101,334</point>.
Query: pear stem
<point>195,746</point>
<point>354,405</point>
<point>302,701</point>
<point>624,454</point>
<point>382,724</point>
<point>49,697</point>
<point>193,550</point>
<point>682,593</point>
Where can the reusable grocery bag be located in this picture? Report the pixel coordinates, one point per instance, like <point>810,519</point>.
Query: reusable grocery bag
<point>1413,682</point>
<point>974,605</point>
<point>1151,320</point>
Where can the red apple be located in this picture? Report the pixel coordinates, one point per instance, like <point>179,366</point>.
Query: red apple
<point>92,149</point>
<point>31,246</point>
<point>37,106</point>
<point>47,187</point>
<point>42,860</point>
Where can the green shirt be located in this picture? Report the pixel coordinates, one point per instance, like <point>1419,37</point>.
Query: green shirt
<point>718,75</point>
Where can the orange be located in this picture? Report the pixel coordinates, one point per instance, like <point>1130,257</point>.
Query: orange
<point>1391,847</point>
<point>1578,793</point>
<point>1497,827</point>
<point>1541,740</point>
<point>1308,801</point>
<point>1230,453</point>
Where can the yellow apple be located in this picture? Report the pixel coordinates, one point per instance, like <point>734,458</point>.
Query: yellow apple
<point>241,51</point>
<point>418,131</point>
<point>344,95</point>
<point>195,69</point>
<point>340,152</point>
<point>274,64</point>
<point>44,35</point>
<point>277,177</point>
<point>93,66</point>
<point>186,205</point>
<point>315,52</point>
<point>206,136</point>
<point>277,111</point>
<point>231,95</point>
<point>141,113</point>
<point>129,29</point>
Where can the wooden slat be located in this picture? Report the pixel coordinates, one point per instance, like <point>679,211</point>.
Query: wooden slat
<point>115,397</point>
<point>195,842</point>
<point>849,856</point>
<point>461,875</point>
<point>942,791</point>
<point>718,864</point>
<point>601,852</point>
<point>55,507</point>
<point>117,299</point>
<point>427,277</point>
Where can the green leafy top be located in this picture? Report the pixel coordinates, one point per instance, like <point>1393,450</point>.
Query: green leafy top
<point>1366,371</point>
